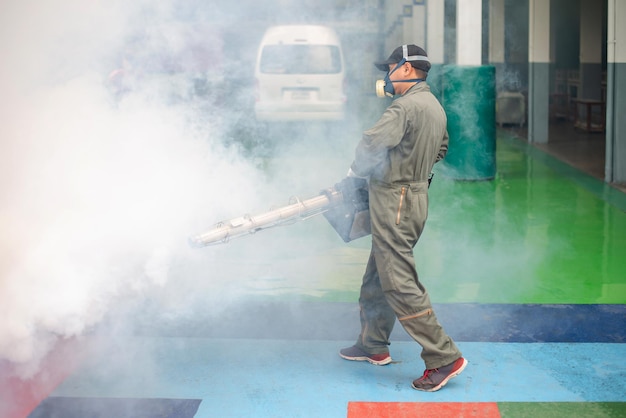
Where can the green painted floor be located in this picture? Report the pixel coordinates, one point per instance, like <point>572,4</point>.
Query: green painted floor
<point>562,409</point>
<point>541,232</point>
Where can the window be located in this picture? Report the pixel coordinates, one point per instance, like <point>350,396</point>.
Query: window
<point>300,59</point>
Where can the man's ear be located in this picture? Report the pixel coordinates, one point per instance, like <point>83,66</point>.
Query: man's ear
<point>411,70</point>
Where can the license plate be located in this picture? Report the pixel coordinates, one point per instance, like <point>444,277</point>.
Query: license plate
<point>300,95</point>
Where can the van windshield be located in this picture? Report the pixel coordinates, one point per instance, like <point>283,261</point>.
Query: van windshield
<point>300,59</point>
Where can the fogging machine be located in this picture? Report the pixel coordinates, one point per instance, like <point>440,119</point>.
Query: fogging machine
<point>345,206</point>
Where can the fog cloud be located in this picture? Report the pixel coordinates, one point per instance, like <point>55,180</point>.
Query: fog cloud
<point>98,189</point>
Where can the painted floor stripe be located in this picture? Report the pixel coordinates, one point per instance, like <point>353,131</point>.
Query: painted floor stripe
<point>563,409</point>
<point>19,396</point>
<point>65,407</point>
<point>422,409</point>
<point>473,322</point>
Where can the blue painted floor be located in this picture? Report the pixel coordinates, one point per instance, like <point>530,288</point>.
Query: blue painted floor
<point>298,373</point>
<point>546,324</point>
<point>296,378</point>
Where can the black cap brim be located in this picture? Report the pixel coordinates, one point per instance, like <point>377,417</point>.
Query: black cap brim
<point>384,65</point>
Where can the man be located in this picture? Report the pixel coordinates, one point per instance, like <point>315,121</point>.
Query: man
<point>397,155</point>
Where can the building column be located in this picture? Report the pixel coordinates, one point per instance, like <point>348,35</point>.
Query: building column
<point>435,24</point>
<point>419,22</point>
<point>590,70</point>
<point>409,28</point>
<point>393,26</point>
<point>399,34</point>
<point>469,32</point>
<point>416,29</point>
<point>538,70</point>
<point>615,167</point>
<point>496,38</point>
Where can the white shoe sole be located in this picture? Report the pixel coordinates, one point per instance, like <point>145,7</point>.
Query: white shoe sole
<point>369,360</point>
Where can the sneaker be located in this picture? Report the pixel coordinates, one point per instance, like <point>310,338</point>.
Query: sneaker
<point>435,379</point>
<point>356,354</point>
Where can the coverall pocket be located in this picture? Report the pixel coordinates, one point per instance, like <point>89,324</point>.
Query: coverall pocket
<point>405,203</point>
<point>402,202</point>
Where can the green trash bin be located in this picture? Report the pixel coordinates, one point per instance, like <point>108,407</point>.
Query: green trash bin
<point>469,99</point>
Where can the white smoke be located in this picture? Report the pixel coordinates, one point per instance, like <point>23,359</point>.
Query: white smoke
<point>97,195</point>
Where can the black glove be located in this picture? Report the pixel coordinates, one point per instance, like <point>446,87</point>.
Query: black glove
<point>354,190</point>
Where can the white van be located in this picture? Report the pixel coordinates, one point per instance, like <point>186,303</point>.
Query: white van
<point>300,74</point>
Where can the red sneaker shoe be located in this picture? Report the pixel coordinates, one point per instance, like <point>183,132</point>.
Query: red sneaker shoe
<point>356,354</point>
<point>435,379</point>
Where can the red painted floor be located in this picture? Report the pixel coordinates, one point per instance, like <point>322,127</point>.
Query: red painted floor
<point>20,396</point>
<point>422,409</point>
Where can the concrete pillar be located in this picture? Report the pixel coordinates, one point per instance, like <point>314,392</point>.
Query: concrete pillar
<point>408,24</point>
<point>538,70</point>
<point>469,32</point>
<point>393,26</point>
<point>496,31</point>
<point>434,43</point>
<point>590,70</point>
<point>496,38</point>
<point>398,36</point>
<point>435,24</point>
<point>417,34</point>
<point>615,167</point>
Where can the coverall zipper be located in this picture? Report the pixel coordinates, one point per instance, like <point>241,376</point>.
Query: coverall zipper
<point>402,192</point>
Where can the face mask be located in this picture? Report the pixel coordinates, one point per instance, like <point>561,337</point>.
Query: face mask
<point>385,88</point>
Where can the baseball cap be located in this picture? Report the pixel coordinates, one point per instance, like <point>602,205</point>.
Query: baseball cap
<point>412,53</point>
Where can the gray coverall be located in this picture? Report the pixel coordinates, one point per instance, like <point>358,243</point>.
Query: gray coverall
<point>398,154</point>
